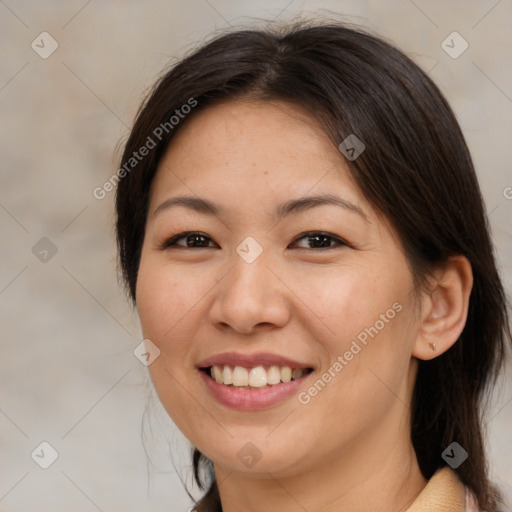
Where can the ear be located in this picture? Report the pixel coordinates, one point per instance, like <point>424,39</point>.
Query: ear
<point>444,308</point>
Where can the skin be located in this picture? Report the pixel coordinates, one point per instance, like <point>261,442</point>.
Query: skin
<point>349,448</point>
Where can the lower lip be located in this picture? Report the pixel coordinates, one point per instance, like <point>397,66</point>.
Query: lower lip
<point>252,399</point>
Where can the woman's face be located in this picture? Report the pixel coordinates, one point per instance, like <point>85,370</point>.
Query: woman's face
<point>290,269</point>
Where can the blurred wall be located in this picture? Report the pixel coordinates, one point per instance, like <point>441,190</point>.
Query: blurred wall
<point>68,375</point>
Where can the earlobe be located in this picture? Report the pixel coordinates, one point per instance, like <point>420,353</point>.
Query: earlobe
<point>444,308</point>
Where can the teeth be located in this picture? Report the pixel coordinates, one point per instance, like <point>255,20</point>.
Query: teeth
<point>286,374</point>
<point>297,373</point>
<point>256,377</point>
<point>227,375</point>
<point>217,374</point>
<point>273,375</point>
<point>240,376</point>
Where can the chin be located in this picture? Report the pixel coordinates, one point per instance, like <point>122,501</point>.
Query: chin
<point>255,454</point>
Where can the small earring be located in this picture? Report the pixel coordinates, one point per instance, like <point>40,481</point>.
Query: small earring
<point>433,346</point>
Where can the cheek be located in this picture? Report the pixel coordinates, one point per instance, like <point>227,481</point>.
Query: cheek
<point>349,300</point>
<point>367,320</point>
<point>165,305</point>
<point>165,300</point>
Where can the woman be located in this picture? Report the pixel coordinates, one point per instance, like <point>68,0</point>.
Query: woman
<point>301,228</point>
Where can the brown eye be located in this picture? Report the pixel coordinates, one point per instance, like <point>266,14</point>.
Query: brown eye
<point>188,240</point>
<point>319,240</point>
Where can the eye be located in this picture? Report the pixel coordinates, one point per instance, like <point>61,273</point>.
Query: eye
<point>191,239</point>
<point>309,240</point>
<point>319,240</point>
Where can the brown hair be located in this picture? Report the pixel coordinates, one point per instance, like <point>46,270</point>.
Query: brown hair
<point>416,171</point>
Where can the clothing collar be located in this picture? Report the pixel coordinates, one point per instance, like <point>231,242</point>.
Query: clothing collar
<point>444,491</point>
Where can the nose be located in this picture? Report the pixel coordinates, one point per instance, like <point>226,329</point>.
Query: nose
<point>250,298</point>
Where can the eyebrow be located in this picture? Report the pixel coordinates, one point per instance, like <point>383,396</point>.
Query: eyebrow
<point>283,210</point>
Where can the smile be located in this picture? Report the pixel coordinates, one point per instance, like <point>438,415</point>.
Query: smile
<point>252,382</point>
<point>257,377</point>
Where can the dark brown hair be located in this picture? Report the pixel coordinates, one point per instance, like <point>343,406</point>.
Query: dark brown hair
<point>416,171</point>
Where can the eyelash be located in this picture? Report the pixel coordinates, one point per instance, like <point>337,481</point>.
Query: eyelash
<point>172,241</point>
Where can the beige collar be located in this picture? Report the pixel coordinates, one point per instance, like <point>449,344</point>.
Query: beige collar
<point>444,491</point>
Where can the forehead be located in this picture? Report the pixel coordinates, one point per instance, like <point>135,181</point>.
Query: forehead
<point>256,147</point>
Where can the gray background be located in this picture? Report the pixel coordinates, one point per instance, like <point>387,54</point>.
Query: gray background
<point>68,375</point>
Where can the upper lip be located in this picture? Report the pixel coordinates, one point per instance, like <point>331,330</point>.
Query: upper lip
<point>251,360</point>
